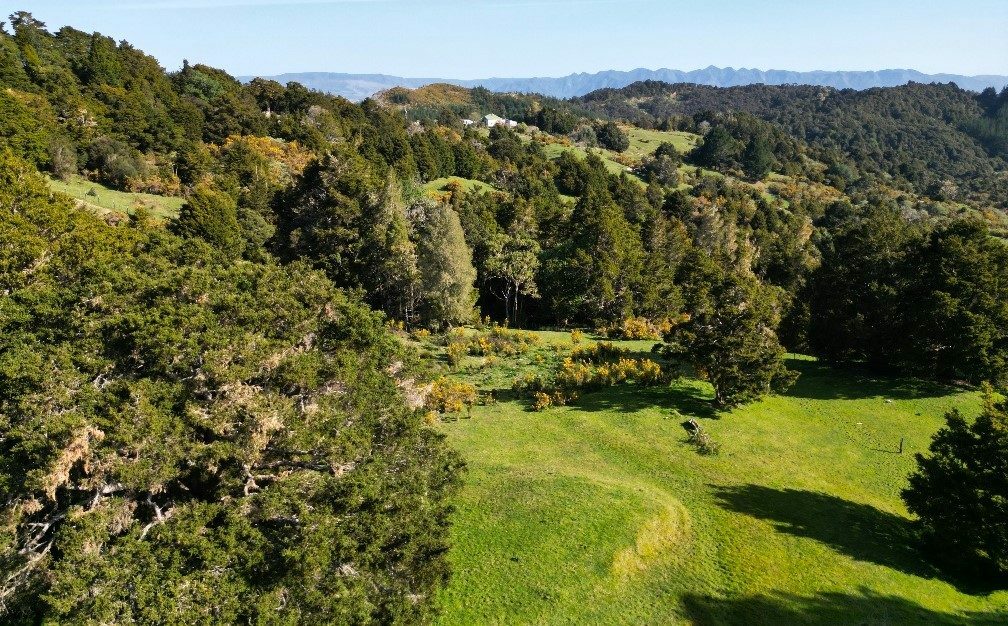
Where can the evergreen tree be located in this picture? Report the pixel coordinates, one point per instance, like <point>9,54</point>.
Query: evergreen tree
<point>102,66</point>
<point>666,244</point>
<point>730,336</point>
<point>757,158</point>
<point>718,149</point>
<point>593,274</point>
<point>211,215</point>
<point>184,439</point>
<point>445,264</point>
<point>960,490</point>
<point>855,308</point>
<point>390,269</point>
<point>611,136</point>
<point>320,219</point>
<point>12,70</point>
<point>957,306</point>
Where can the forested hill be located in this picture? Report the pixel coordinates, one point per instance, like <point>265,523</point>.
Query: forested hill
<point>360,86</point>
<point>948,142</point>
<point>218,416</point>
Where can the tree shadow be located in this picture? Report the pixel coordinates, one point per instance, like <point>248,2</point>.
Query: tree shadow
<point>687,401</point>
<point>863,607</point>
<point>818,381</point>
<point>858,530</point>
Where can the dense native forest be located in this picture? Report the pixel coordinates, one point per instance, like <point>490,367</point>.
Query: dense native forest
<point>217,416</point>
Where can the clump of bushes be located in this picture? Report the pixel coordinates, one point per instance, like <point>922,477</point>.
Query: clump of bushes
<point>421,334</point>
<point>574,377</point>
<point>455,351</point>
<point>639,328</point>
<point>542,400</point>
<point>493,342</point>
<point>448,395</point>
<point>580,375</point>
<point>577,336</point>
<point>599,352</point>
<point>500,340</point>
<point>530,383</point>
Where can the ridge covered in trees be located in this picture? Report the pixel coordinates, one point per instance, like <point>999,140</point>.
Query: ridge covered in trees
<point>942,141</point>
<point>253,332</point>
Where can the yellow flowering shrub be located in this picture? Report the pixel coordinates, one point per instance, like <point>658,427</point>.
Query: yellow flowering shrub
<point>421,334</point>
<point>450,396</point>
<point>503,341</point>
<point>596,353</point>
<point>641,328</point>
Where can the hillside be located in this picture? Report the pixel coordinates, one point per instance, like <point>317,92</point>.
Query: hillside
<point>922,134</point>
<point>601,513</point>
<point>357,87</point>
<point>259,406</point>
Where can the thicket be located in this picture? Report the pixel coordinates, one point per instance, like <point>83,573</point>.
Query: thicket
<point>186,436</point>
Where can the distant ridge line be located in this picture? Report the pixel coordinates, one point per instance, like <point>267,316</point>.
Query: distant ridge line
<point>357,87</point>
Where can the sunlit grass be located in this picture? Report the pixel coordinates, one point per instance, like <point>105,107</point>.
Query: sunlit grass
<point>103,200</point>
<point>601,513</point>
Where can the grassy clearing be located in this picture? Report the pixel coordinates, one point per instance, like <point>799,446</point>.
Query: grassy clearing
<point>108,200</point>
<point>438,185</point>
<point>645,142</point>
<point>554,150</point>
<point>601,513</point>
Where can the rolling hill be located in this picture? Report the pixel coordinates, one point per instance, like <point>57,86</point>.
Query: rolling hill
<point>357,87</point>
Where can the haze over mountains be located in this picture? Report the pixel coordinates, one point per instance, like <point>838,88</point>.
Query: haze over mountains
<point>356,87</point>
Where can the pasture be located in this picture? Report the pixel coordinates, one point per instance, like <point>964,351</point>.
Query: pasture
<point>602,513</point>
<point>103,200</point>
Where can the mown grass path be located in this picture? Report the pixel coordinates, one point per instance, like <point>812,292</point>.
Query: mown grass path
<point>600,513</point>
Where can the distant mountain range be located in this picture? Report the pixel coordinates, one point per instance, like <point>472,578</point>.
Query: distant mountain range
<point>359,86</point>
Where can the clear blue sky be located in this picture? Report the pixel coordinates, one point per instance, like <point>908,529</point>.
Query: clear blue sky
<point>483,38</point>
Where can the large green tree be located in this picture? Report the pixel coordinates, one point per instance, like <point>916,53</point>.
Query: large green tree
<point>189,439</point>
<point>855,294</point>
<point>959,491</point>
<point>757,158</point>
<point>718,150</point>
<point>514,263</point>
<point>211,215</point>
<point>444,260</point>
<point>957,306</point>
<point>731,334</point>
<point>611,136</point>
<point>593,273</point>
<point>390,274</point>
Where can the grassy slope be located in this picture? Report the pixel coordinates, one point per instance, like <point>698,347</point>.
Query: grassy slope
<point>644,142</point>
<point>111,201</point>
<point>601,512</point>
<point>437,185</point>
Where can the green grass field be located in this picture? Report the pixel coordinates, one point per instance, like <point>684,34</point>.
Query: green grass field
<point>554,150</point>
<point>601,513</point>
<point>642,143</point>
<point>437,185</point>
<point>645,142</point>
<point>111,201</point>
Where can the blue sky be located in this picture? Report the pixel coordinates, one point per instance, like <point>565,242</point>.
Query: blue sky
<point>483,38</point>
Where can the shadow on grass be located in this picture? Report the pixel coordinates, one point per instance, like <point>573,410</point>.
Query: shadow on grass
<point>818,381</point>
<point>858,530</point>
<point>864,607</point>
<point>690,402</point>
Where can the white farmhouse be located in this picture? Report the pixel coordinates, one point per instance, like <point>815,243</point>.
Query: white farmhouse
<point>492,120</point>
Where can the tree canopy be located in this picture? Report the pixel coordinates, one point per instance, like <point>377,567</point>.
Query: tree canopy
<point>187,435</point>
